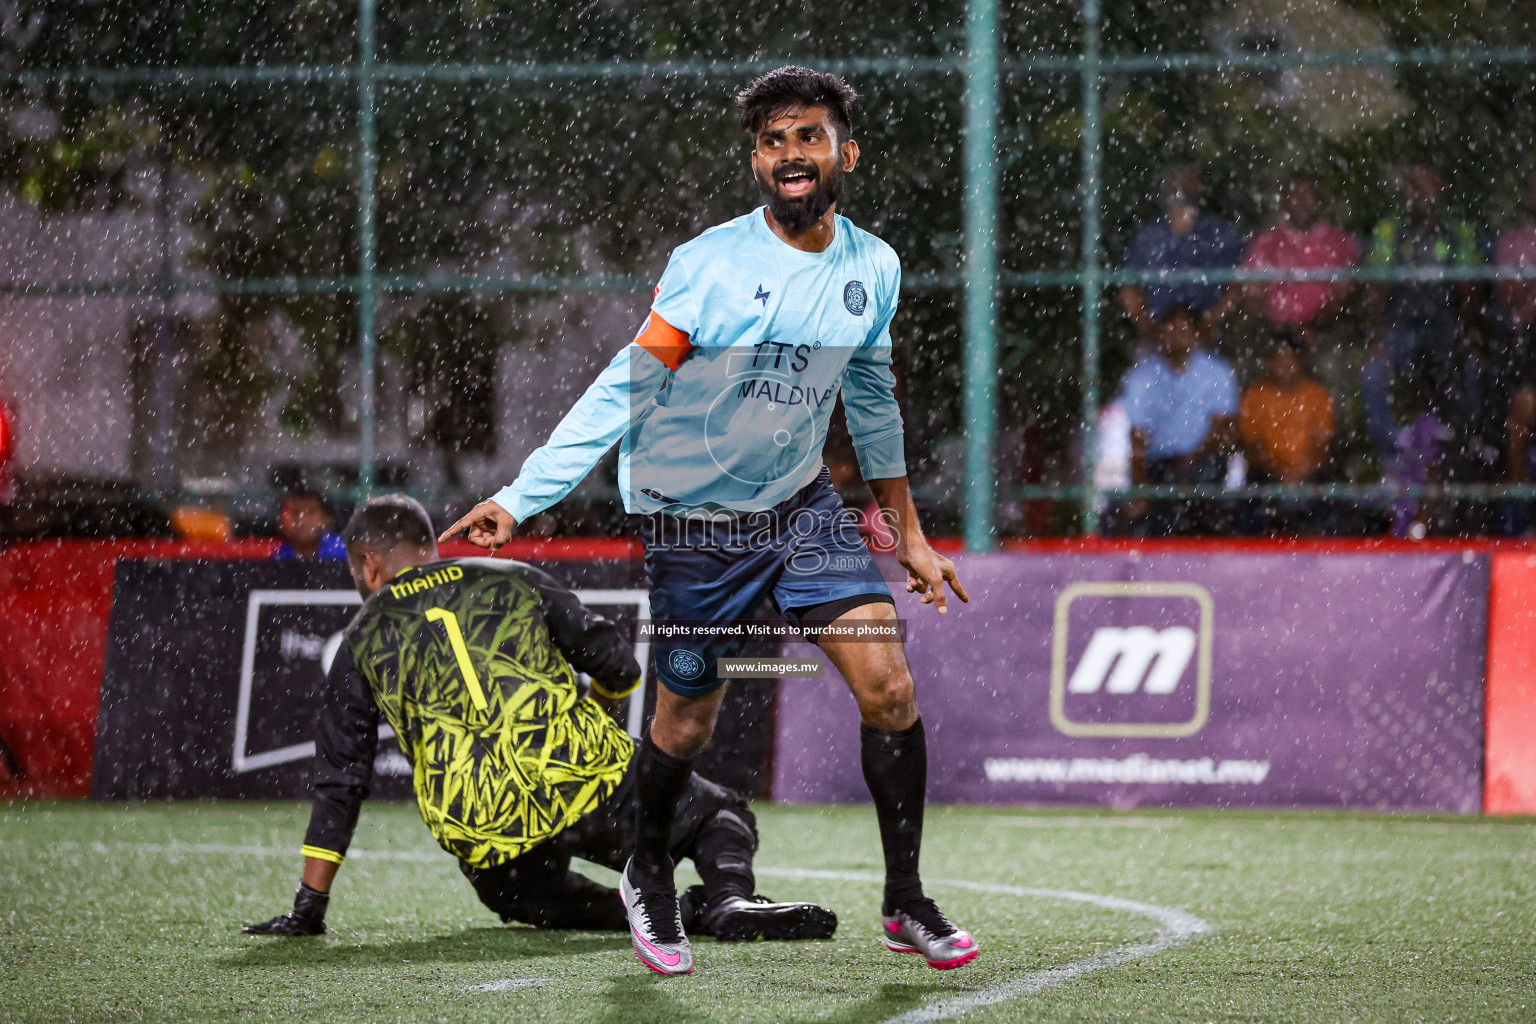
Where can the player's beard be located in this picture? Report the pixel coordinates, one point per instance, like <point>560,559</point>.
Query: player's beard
<point>796,214</point>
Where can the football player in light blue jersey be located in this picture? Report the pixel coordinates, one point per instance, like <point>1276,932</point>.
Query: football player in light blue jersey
<point>722,403</point>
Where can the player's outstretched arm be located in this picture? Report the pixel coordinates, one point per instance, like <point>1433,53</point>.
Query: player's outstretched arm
<point>875,424</point>
<point>927,571</point>
<point>595,423</point>
<point>346,743</point>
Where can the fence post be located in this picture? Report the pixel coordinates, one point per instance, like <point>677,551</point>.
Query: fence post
<point>980,274</point>
<point>367,140</point>
<point>164,477</point>
<point>1090,279</point>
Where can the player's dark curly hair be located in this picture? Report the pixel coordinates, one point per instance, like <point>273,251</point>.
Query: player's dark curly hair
<point>794,87</point>
<point>387,522</point>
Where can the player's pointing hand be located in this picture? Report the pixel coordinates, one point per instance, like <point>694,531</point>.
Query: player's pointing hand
<point>488,526</point>
<point>927,573</point>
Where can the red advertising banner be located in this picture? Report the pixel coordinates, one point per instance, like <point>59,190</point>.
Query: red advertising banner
<point>55,601</point>
<point>55,598</point>
<point>1510,780</point>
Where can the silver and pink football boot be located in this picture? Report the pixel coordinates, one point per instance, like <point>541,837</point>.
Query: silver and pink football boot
<point>655,925</point>
<point>919,927</point>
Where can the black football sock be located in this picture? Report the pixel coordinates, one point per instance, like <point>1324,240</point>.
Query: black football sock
<point>660,782</point>
<point>896,771</point>
<point>309,903</point>
<point>724,854</point>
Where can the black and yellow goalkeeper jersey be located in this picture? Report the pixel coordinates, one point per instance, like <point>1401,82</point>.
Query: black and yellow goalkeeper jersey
<point>470,661</point>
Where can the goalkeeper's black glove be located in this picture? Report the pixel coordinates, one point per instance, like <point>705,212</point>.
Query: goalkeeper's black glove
<point>306,918</point>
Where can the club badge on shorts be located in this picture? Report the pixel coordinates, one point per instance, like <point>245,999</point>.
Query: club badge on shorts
<point>686,664</point>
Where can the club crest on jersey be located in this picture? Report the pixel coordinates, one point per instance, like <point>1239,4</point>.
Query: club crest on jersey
<point>855,298</point>
<point>686,664</point>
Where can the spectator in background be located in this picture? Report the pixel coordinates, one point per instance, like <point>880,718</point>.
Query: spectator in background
<point>1180,401</point>
<point>1413,321</point>
<point>306,527</point>
<point>1297,240</point>
<point>1518,451</point>
<point>1517,308</point>
<point>1286,425</point>
<point>1183,238</point>
<point>1481,386</point>
<point>1421,443</point>
<point>1517,248</point>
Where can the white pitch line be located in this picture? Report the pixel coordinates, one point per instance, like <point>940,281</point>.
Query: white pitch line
<point>505,984</point>
<point>1035,982</point>
<point>1175,927</point>
<point>414,856</point>
<point>1084,822</point>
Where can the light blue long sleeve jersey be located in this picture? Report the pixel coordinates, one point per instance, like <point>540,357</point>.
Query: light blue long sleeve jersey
<point>734,415</point>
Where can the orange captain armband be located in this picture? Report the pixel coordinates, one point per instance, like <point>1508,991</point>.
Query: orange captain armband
<point>664,341</point>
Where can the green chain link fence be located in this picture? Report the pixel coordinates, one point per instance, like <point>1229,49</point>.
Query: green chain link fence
<point>980,278</point>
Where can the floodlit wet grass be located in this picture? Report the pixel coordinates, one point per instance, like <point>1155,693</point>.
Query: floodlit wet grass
<point>132,913</point>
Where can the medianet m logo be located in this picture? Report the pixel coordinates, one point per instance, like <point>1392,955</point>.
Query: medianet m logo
<point>1136,658</point>
<point>1131,659</point>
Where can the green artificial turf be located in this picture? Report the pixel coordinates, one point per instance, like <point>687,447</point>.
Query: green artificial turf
<point>1313,917</point>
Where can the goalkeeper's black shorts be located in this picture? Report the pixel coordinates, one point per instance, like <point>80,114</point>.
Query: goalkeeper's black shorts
<point>538,887</point>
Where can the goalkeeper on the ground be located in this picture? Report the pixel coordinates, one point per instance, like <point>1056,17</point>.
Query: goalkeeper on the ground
<point>473,663</point>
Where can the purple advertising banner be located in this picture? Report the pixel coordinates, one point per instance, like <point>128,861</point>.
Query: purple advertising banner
<point>1308,680</point>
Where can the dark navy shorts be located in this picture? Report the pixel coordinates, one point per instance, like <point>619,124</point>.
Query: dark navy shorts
<point>806,554</point>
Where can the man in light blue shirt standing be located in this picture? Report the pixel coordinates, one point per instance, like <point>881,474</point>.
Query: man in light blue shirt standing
<point>722,403</point>
<point>1182,404</point>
